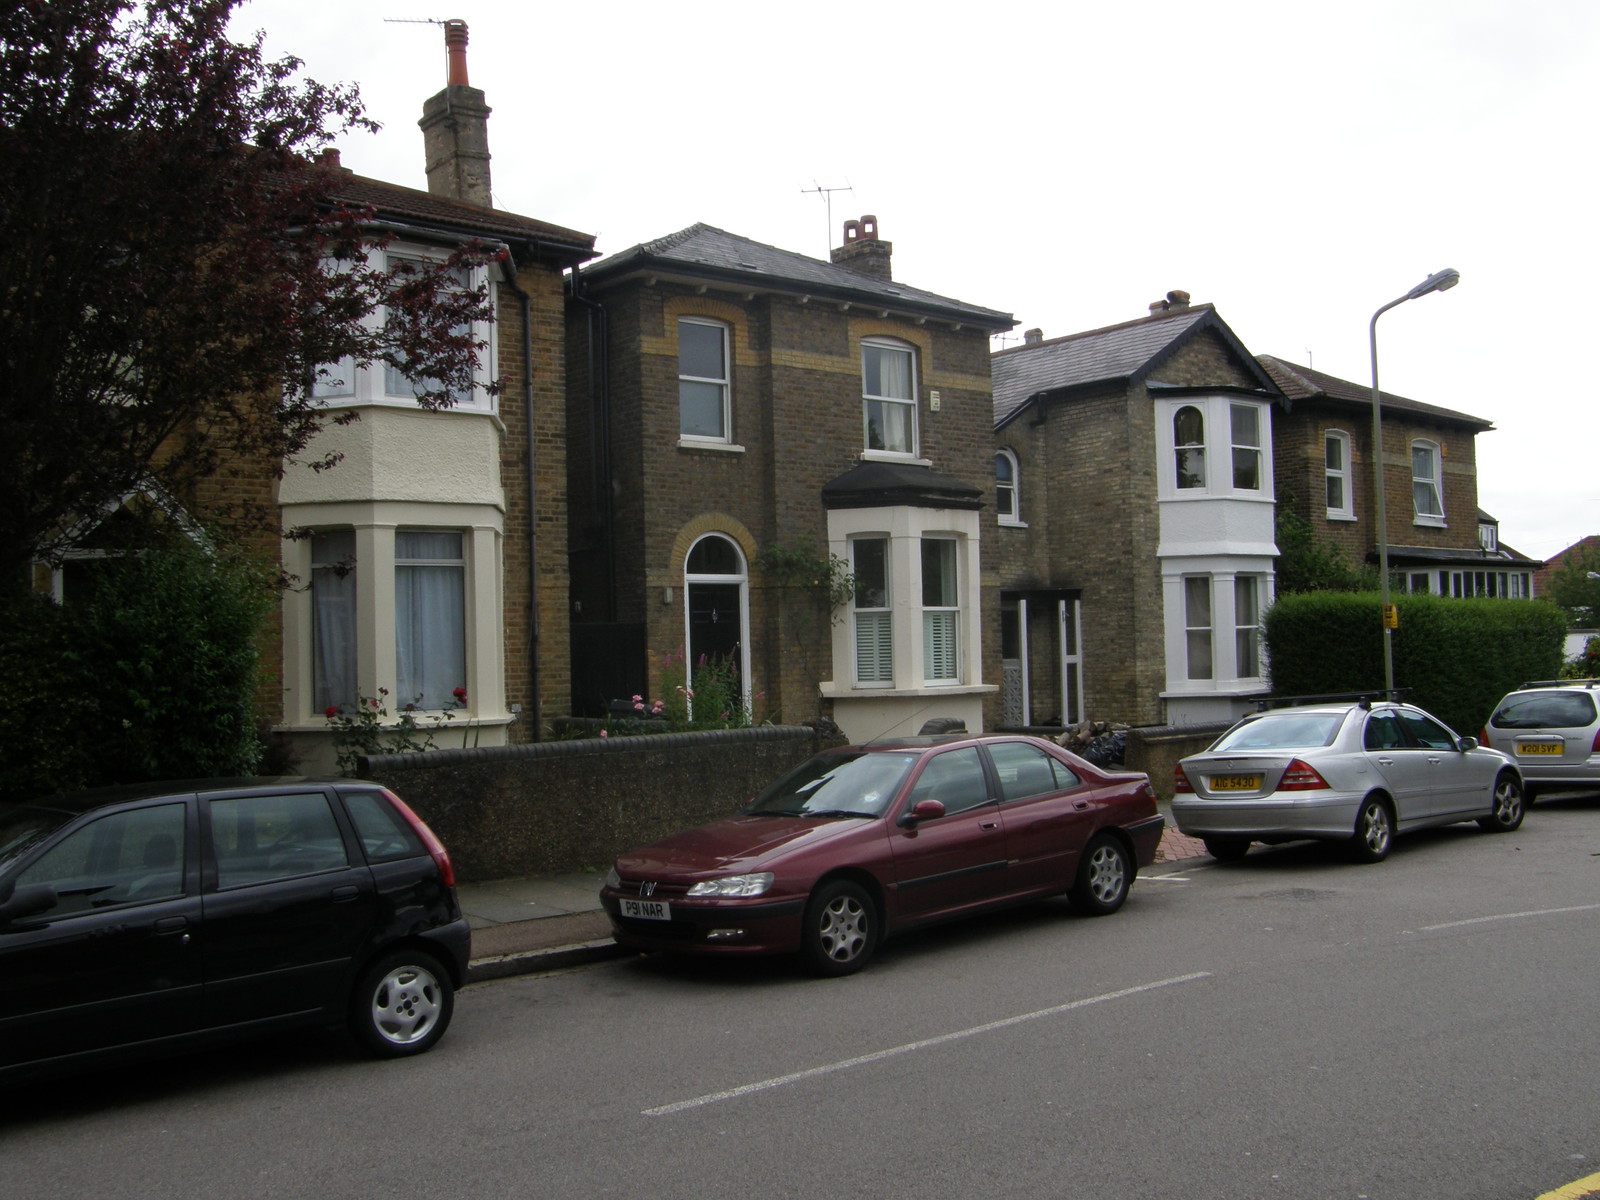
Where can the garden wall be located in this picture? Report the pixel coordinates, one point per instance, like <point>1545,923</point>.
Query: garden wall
<point>555,807</point>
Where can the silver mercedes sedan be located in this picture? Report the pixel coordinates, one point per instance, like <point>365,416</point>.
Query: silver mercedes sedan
<point>1352,771</point>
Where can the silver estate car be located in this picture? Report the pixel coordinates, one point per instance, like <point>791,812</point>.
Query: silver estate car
<point>1552,731</point>
<point>1356,771</point>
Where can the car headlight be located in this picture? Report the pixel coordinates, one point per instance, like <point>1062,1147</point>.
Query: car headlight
<point>612,879</point>
<point>734,885</point>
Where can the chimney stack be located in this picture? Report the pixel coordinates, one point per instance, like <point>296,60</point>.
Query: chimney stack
<point>862,252</point>
<point>1175,301</point>
<point>455,130</point>
<point>1032,337</point>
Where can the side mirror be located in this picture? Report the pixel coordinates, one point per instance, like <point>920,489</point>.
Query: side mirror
<point>922,810</point>
<point>28,901</point>
<point>1466,743</point>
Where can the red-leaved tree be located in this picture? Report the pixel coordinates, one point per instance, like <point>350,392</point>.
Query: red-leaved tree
<point>174,265</point>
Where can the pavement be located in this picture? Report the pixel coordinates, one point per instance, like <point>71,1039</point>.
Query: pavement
<point>551,921</point>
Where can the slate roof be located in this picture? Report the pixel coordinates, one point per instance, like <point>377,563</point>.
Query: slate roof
<point>886,485</point>
<point>456,217</point>
<point>704,252</point>
<point>1302,383</point>
<point>1130,351</point>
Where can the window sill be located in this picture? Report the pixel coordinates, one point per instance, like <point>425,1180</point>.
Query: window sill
<point>833,691</point>
<point>720,447</point>
<point>1342,516</point>
<point>1430,522</point>
<point>1012,524</point>
<point>893,457</point>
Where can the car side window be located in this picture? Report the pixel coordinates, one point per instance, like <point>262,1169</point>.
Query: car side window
<point>1426,732</point>
<point>1383,732</point>
<point>124,858</point>
<point>955,779</point>
<point>384,834</point>
<point>262,838</point>
<point>1026,771</point>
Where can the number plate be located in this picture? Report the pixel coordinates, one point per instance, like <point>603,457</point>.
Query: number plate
<point>1534,748</point>
<point>1235,783</point>
<point>646,910</point>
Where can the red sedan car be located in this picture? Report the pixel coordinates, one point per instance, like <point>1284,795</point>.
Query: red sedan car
<point>860,842</point>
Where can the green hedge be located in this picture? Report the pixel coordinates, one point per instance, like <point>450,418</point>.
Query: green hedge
<point>1454,658</point>
<point>150,675</point>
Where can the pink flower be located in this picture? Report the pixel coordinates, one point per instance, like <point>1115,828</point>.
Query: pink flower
<point>374,701</point>
<point>460,693</point>
<point>639,707</point>
<point>331,711</point>
<point>637,699</point>
<point>605,733</point>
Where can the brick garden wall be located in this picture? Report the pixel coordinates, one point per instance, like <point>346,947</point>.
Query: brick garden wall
<point>557,807</point>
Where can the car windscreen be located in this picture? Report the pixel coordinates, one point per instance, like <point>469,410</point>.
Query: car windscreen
<point>21,825</point>
<point>1282,731</point>
<point>836,785</point>
<point>1545,710</point>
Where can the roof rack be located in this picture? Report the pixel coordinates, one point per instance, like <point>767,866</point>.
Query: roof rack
<point>1587,683</point>
<point>1365,699</point>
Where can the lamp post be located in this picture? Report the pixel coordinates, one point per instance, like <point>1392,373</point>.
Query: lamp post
<point>1439,281</point>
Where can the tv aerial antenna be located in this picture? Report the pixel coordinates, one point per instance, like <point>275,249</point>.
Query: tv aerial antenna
<point>827,196</point>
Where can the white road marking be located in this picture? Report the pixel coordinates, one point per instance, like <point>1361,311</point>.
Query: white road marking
<point>1517,916</point>
<point>1175,877</point>
<point>878,1056</point>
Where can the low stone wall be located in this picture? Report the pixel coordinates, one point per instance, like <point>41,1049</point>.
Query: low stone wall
<point>554,807</point>
<point>1155,750</point>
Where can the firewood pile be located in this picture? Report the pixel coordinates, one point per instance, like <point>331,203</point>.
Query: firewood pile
<point>1102,743</point>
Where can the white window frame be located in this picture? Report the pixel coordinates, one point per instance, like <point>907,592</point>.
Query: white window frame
<point>441,697</point>
<point>1199,629</point>
<point>1181,450</point>
<point>1489,537</point>
<point>1008,493</point>
<point>723,383</point>
<point>1247,595</point>
<point>941,623</point>
<point>1340,474</point>
<point>1249,452</point>
<point>1434,483</point>
<point>907,403</point>
<point>343,385</point>
<point>872,618</point>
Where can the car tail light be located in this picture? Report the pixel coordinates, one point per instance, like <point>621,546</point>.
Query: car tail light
<point>1180,781</point>
<point>1595,749</point>
<point>1483,736</point>
<point>1300,776</point>
<point>436,850</point>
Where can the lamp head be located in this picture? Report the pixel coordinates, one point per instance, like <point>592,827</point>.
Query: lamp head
<point>1439,281</point>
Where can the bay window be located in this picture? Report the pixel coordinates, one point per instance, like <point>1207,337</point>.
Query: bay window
<point>872,615</point>
<point>429,617</point>
<point>1197,625</point>
<point>941,610</point>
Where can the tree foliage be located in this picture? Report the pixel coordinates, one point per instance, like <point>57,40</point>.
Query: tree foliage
<point>150,673</point>
<point>176,264</point>
<point>1305,565</point>
<point>1571,587</point>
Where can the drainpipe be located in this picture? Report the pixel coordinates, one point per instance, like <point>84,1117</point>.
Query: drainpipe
<point>526,303</point>
<point>600,431</point>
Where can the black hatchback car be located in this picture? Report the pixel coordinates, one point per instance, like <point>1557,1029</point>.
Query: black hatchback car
<point>136,920</point>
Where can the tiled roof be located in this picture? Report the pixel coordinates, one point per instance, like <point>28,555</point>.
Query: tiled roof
<point>702,251</point>
<point>1096,356</point>
<point>455,216</point>
<point>1301,383</point>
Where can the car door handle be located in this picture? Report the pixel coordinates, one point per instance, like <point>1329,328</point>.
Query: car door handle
<point>1080,805</point>
<point>348,892</point>
<point>988,824</point>
<point>171,925</point>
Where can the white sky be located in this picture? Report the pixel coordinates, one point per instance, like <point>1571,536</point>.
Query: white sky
<point>1297,165</point>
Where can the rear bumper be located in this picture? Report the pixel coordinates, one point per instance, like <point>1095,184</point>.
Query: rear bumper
<point>1323,815</point>
<point>1146,838</point>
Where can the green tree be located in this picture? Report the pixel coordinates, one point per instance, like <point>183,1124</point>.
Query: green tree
<point>1306,565</point>
<point>150,673</point>
<point>1571,587</point>
<point>166,294</point>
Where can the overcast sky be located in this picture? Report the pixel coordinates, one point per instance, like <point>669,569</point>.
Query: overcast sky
<point>1297,165</point>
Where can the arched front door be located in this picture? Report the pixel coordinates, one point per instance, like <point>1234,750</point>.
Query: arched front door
<point>714,584</point>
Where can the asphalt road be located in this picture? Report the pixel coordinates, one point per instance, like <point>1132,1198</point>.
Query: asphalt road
<point>1292,1026</point>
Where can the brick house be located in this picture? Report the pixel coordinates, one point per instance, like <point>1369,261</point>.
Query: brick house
<point>740,415</point>
<point>1135,547</point>
<point>1440,541</point>
<point>434,555</point>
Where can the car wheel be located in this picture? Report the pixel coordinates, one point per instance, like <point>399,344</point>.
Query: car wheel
<point>841,929</point>
<point>1374,832</point>
<point>1105,873</point>
<point>402,1004</point>
<point>1227,849</point>
<point>1509,806</point>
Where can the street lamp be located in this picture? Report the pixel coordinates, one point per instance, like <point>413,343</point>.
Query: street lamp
<point>1439,281</point>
